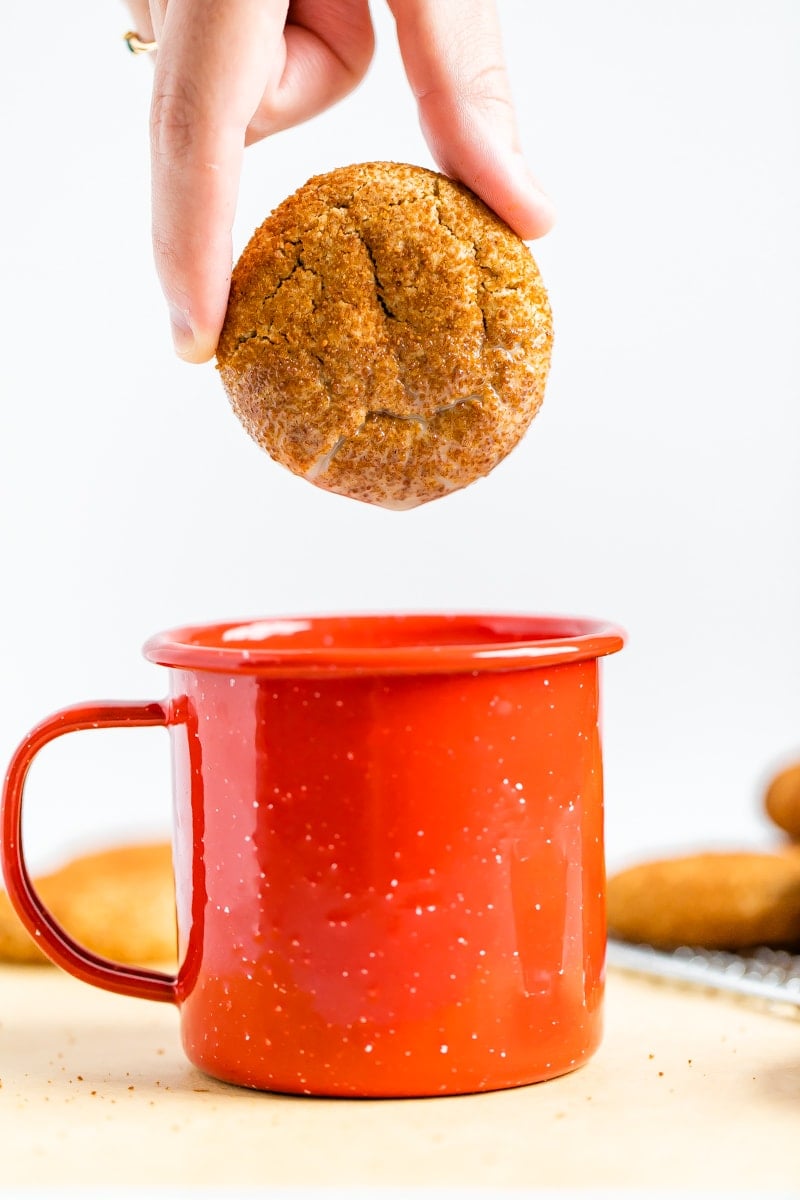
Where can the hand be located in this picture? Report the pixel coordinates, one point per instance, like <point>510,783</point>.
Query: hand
<point>230,72</point>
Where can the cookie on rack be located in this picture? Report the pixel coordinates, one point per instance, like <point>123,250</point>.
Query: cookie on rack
<point>722,901</point>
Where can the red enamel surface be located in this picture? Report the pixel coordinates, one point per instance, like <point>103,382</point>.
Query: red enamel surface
<point>389,882</point>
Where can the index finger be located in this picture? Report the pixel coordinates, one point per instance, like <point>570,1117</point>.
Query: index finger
<point>453,55</point>
<point>214,62</point>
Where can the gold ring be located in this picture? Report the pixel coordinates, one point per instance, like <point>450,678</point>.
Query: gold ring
<point>137,46</point>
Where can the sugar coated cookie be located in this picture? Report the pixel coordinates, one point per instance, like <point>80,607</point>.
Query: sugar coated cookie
<point>387,337</point>
<point>722,901</point>
<point>782,800</point>
<point>120,903</point>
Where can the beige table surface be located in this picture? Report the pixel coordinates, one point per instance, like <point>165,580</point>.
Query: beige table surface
<point>688,1090</point>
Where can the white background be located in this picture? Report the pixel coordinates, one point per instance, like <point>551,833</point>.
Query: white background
<point>658,487</point>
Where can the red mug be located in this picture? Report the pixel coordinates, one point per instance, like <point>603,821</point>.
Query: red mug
<point>388,850</point>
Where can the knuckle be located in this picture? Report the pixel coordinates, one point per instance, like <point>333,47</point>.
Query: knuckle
<point>165,253</point>
<point>173,117</point>
<point>488,87</point>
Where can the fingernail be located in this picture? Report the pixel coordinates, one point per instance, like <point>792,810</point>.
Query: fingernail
<point>182,333</point>
<point>538,199</point>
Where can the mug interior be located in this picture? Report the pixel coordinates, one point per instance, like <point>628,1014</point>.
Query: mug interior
<point>397,643</point>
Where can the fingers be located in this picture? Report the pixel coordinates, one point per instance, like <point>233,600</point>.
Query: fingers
<point>231,73</point>
<point>214,61</point>
<point>328,49</point>
<point>453,57</point>
<point>228,74</point>
<point>140,19</point>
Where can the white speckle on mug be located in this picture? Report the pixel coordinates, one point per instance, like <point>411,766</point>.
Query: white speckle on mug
<point>368,1048</point>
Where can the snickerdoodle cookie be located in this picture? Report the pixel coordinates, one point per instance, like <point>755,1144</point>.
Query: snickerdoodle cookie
<point>119,903</point>
<point>782,800</point>
<point>387,336</point>
<point>727,900</point>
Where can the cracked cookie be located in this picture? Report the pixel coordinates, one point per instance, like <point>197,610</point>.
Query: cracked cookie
<point>387,336</point>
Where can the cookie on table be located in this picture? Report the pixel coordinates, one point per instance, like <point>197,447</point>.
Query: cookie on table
<point>388,337</point>
<point>119,903</point>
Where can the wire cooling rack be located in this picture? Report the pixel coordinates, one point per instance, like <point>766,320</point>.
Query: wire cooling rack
<point>768,977</point>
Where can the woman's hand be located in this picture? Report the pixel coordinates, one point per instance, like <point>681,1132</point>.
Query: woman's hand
<point>230,72</point>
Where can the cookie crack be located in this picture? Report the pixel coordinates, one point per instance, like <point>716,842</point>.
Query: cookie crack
<point>468,243</point>
<point>380,291</point>
<point>324,462</point>
<point>283,280</point>
<point>422,419</point>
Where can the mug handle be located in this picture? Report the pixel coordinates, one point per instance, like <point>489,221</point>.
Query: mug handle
<point>37,919</point>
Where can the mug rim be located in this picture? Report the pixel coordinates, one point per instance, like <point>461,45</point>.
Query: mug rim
<point>499,642</point>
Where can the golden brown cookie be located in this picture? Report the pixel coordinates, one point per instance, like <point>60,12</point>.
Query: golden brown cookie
<point>723,901</point>
<point>782,800</point>
<point>388,337</point>
<point>119,903</point>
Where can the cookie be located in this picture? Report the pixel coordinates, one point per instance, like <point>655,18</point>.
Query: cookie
<point>782,800</point>
<point>387,337</point>
<point>722,901</point>
<point>119,903</point>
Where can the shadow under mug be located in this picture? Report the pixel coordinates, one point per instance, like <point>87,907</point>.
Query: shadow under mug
<point>388,850</point>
